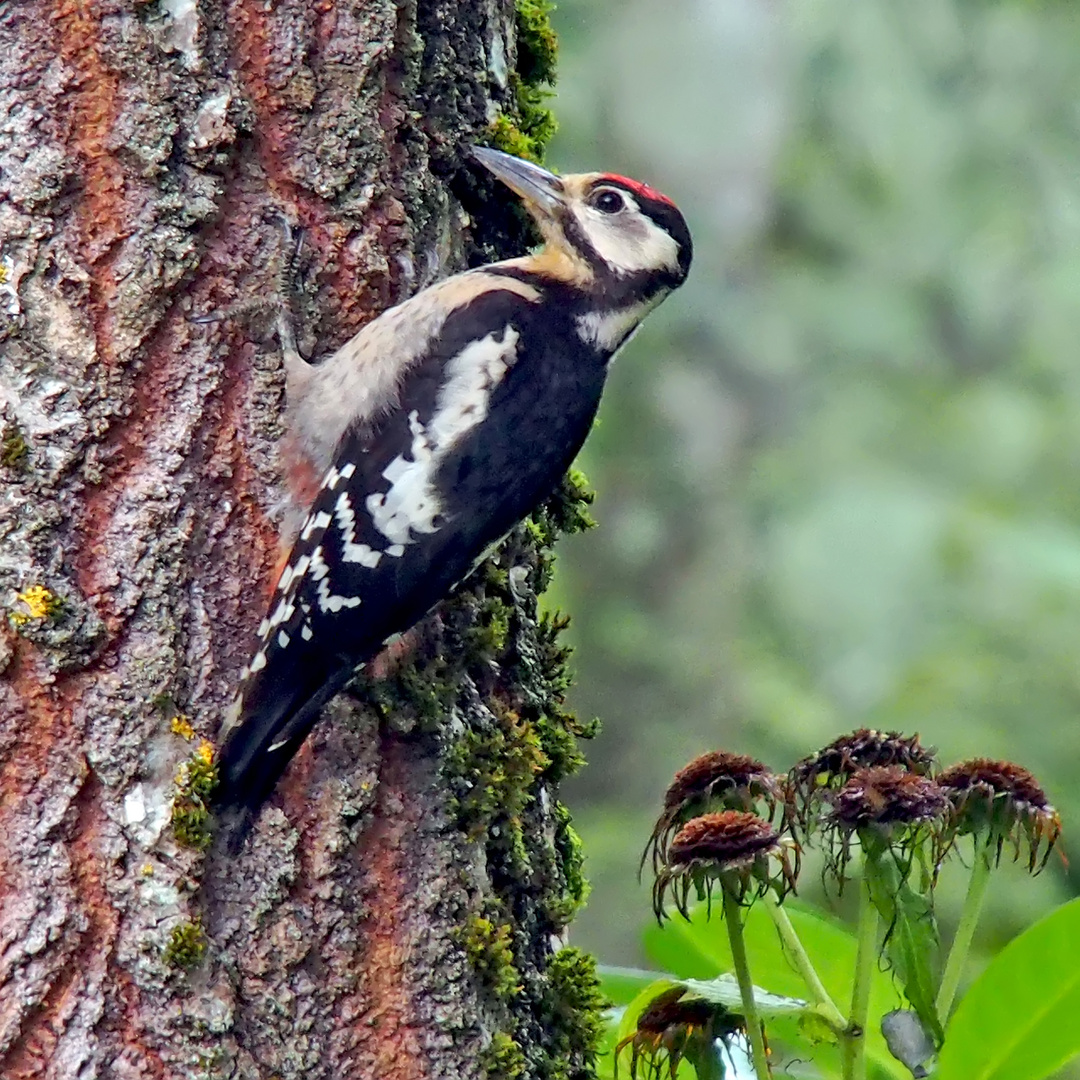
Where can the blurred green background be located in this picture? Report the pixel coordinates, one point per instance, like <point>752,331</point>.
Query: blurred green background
<point>837,472</point>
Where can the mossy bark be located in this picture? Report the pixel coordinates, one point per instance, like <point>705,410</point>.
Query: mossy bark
<point>395,912</point>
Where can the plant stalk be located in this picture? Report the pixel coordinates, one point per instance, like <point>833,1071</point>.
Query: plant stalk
<point>803,964</point>
<point>733,918</point>
<point>854,1044</point>
<point>965,931</point>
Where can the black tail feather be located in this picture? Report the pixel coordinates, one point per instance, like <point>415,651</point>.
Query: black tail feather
<point>278,710</point>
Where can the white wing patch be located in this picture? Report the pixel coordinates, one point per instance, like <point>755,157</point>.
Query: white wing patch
<point>350,550</point>
<point>328,601</point>
<point>334,475</point>
<point>314,521</point>
<point>412,503</point>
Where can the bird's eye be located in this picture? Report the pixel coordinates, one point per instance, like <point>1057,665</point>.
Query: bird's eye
<point>608,201</point>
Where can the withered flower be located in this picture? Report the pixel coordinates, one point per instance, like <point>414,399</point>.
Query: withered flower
<point>739,851</point>
<point>714,781</point>
<point>811,779</point>
<point>671,1028</point>
<point>1004,802</point>
<point>884,806</point>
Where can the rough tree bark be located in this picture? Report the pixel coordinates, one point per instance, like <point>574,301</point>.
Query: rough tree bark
<point>396,913</point>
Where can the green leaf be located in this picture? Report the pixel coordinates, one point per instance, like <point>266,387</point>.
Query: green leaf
<point>1019,1019</point>
<point>911,942</point>
<point>620,985</point>
<point>724,990</point>
<point>698,949</point>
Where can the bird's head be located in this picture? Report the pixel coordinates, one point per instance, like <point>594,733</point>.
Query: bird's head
<point>618,234</point>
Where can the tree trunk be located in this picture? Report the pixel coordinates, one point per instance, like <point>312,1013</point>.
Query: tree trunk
<point>395,913</point>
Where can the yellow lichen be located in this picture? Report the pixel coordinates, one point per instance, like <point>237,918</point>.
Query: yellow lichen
<point>42,604</point>
<point>181,725</point>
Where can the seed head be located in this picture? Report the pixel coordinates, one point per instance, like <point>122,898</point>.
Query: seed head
<point>884,807</point>
<point>886,796</point>
<point>671,1028</point>
<point>714,781</point>
<point>813,778</point>
<point>1003,802</point>
<point>740,851</point>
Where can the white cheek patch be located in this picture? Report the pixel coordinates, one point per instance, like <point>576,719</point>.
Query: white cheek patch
<point>629,242</point>
<point>412,504</point>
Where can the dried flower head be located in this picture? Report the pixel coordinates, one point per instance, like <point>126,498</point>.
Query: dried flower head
<point>883,806</point>
<point>714,781</point>
<point>739,851</point>
<point>885,796</point>
<point>813,778</point>
<point>671,1028</point>
<point>1003,802</point>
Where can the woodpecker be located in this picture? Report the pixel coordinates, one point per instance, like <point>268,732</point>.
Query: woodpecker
<point>436,429</point>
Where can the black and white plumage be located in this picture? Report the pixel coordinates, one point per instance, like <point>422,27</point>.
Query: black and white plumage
<point>437,428</point>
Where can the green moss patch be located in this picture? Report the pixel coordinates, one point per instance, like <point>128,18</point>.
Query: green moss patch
<point>186,946</point>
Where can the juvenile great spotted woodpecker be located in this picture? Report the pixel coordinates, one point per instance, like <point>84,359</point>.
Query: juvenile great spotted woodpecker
<point>437,428</point>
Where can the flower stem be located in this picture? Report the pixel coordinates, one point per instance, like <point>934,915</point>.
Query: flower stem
<point>733,919</point>
<point>854,1045</point>
<point>965,931</point>
<point>798,955</point>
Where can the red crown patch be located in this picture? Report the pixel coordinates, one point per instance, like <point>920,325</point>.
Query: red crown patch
<point>639,188</point>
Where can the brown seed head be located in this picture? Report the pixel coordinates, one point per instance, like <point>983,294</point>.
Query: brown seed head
<point>713,781</point>
<point>813,779</point>
<point>670,1030</point>
<point>1002,802</point>
<point>729,839</point>
<point>994,778</point>
<point>862,749</point>
<point>741,852</point>
<point>887,795</point>
<point>717,773</point>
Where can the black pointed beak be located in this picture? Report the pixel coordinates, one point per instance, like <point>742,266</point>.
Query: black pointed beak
<point>542,191</point>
